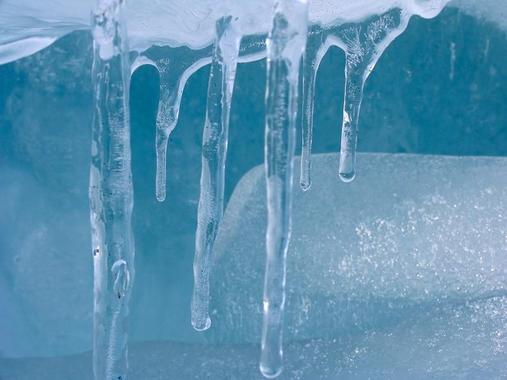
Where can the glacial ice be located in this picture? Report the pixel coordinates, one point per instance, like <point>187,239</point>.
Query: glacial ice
<point>370,254</point>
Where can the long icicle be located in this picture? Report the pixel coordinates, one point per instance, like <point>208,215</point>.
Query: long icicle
<point>316,49</point>
<point>214,152</point>
<point>285,45</point>
<point>363,45</point>
<point>111,192</point>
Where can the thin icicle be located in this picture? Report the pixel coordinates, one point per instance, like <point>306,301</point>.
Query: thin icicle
<point>167,118</point>
<point>363,45</point>
<point>174,74</point>
<point>173,77</point>
<point>316,49</point>
<point>214,152</point>
<point>285,45</point>
<point>111,192</point>
<point>353,96</point>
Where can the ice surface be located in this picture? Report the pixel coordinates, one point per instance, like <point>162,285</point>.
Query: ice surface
<point>180,22</point>
<point>413,235</point>
<point>175,23</point>
<point>467,341</point>
<point>214,153</point>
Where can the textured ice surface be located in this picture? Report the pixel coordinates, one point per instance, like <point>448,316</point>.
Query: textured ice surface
<point>466,341</point>
<point>411,237</point>
<point>180,22</point>
<point>27,26</point>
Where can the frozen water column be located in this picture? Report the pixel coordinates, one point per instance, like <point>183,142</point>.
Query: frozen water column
<point>285,44</point>
<point>214,152</point>
<point>111,192</point>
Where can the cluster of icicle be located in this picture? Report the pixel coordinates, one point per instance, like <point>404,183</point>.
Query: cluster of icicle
<point>288,43</point>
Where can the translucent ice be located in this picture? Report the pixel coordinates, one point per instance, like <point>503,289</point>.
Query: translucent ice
<point>383,250</point>
<point>35,25</point>
<point>27,26</point>
<point>214,154</point>
<point>111,192</point>
<point>285,46</point>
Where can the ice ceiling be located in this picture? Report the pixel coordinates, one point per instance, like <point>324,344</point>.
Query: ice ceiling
<point>27,27</point>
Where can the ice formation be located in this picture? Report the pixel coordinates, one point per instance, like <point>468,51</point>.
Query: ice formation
<point>285,45</point>
<point>222,33</point>
<point>214,152</point>
<point>176,23</point>
<point>173,76</point>
<point>111,192</point>
<point>363,42</point>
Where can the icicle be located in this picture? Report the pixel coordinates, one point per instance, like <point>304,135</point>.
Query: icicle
<point>167,118</point>
<point>214,151</point>
<point>111,192</point>
<point>363,45</point>
<point>353,96</point>
<point>316,49</point>
<point>285,45</point>
<point>173,77</point>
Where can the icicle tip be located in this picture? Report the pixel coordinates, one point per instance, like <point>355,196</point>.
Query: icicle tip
<point>201,325</point>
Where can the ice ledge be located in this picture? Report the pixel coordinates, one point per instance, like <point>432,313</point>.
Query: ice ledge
<point>27,26</point>
<point>467,342</point>
<point>175,22</point>
<point>411,234</point>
